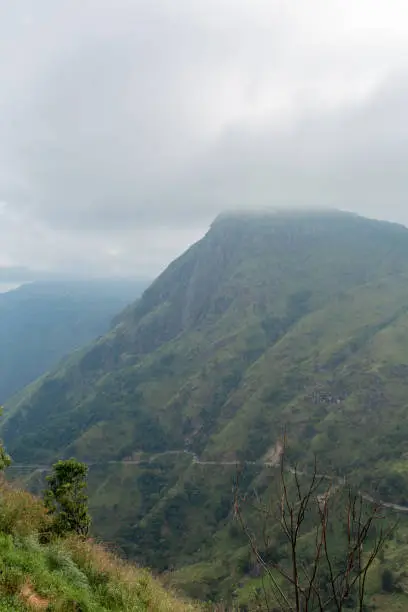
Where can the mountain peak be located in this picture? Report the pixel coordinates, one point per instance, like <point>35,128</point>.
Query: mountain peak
<point>278,213</point>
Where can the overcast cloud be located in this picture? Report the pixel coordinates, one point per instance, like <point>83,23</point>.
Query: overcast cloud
<point>126,126</point>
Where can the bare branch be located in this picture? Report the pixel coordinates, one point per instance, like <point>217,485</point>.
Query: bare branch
<point>347,574</point>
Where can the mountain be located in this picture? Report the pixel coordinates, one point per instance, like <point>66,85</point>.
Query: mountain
<point>295,321</point>
<point>41,322</point>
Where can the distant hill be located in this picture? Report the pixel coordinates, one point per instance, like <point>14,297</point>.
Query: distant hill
<point>41,322</point>
<point>295,321</point>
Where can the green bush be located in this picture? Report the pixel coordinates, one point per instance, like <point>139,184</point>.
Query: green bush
<point>65,497</point>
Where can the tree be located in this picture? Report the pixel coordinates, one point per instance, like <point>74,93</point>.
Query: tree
<point>5,459</point>
<point>65,497</point>
<point>343,541</point>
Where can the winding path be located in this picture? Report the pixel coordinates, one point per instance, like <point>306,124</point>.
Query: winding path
<point>197,461</point>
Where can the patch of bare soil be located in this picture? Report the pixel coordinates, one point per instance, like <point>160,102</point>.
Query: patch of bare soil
<point>32,599</point>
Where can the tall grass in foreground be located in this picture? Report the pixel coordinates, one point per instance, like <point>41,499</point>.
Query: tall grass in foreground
<point>67,574</point>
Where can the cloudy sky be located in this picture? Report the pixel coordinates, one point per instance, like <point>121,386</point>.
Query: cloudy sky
<point>127,125</point>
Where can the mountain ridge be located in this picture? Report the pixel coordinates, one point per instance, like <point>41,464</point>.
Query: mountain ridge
<point>269,322</point>
<point>192,301</point>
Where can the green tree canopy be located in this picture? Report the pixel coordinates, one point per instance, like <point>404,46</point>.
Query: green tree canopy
<point>5,459</point>
<point>66,498</point>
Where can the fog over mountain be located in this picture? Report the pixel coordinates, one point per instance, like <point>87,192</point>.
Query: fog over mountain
<point>126,126</point>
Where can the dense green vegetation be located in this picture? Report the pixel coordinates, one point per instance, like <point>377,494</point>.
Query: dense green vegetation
<point>66,499</point>
<point>66,574</point>
<point>48,563</point>
<point>42,322</point>
<point>286,320</point>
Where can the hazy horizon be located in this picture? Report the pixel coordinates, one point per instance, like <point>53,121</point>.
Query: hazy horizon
<point>13,278</point>
<point>127,126</point>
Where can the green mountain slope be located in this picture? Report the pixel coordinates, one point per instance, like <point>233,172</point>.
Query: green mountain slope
<point>286,320</point>
<point>42,322</point>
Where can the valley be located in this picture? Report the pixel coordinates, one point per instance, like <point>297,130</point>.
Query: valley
<point>43,322</point>
<point>271,323</point>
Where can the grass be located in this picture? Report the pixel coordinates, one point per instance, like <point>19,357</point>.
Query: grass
<point>67,574</point>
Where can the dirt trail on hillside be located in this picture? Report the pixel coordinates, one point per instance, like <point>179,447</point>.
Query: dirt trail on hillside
<point>32,599</point>
<point>270,460</point>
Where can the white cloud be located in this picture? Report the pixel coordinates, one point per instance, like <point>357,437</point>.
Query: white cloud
<point>126,125</point>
